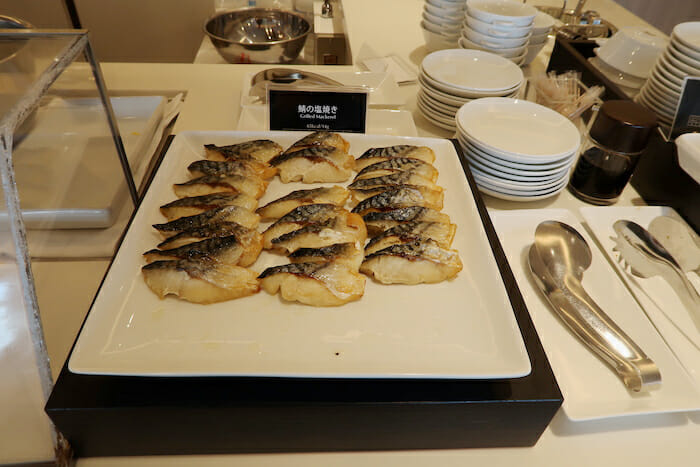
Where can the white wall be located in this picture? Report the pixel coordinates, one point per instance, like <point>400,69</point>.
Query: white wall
<point>126,30</point>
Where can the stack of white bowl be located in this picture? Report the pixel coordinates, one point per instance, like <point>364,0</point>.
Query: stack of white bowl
<point>450,78</point>
<point>628,57</point>
<point>541,28</point>
<point>502,27</point>
<point>681,58</point>
<point>517,150</point>
<point>442,22</point>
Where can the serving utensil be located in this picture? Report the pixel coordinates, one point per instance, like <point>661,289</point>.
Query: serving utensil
<point>557,260</point>
<point>647,257</point>
<point>680,241</point>
<point>285,76</point>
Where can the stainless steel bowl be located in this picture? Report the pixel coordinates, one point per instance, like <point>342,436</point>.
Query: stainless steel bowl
<point>258,35</point>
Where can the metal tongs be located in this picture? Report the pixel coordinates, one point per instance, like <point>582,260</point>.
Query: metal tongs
<point>647,257</point>
<point>557,260</point>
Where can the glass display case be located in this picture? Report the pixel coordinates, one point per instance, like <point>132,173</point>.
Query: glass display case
<point>68,190</point>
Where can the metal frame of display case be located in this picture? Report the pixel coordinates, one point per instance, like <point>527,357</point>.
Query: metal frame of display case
<point>9,123</point>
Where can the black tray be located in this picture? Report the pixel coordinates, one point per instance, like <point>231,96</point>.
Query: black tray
<point>118,416</point>
<point>658,177</point>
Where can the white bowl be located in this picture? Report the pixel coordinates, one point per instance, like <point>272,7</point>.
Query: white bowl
<point>633,50</point>
<point>448,5</point>
<point>508,53</point>
<point>496,30</point>
<point>688,34</point>
<point>493,42</point>
<point>503,12</point>
<point>472,71</point>
<point>543,23</point>
<point>538,39</point>
<point>435,41</point>
<point>532,51</point>
<point>615,75</point>
<point>447,13</point>
<point>446,24</point>
<point>438,29</point>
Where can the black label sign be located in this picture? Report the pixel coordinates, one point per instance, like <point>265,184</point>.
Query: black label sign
<point>317,110</point>
<point>688,114</point>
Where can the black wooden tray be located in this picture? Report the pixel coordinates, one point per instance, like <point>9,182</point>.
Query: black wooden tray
<point>119,416</point>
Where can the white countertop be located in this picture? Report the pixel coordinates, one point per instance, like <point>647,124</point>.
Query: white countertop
<point>213,103</point>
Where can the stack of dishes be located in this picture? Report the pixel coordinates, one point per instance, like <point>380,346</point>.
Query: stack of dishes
<point>681,58</point>
<point>502,27</point>
<point>517,150</point>
<point>541,28</point>
<point>628,57</point>
<point>450,78</point>
<point>441,23</point>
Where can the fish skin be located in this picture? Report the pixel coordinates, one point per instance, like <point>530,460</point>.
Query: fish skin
<point>399,197</point>
<point>303,269</point>
<point>208,217</point>
<point>211,248</point>
<point>374,155</point>
<point>427,263</point>
<point>325,253</point>
<point>383,220</point>
<point>400,164</point>
<point>309,213</point>
<point>260,149</point>
<point>306,229</point>
<point>254,187</point>
<point>201,281</point>
<point>314,153</point>
<point>207,202</point>
<point>246,168</point>
<point>320,138</point>
<point>398,178</point>
<point>324,195</point>
<point>244,235</point>
<point>442,234</point>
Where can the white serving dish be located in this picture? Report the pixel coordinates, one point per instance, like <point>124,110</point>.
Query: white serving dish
<point>488,169</point>
<point>70,138</point>
<point>503,12</point>
<point>492,41</point>
<point>591,390</point>
<point>448,13</point>
<point>471,71</point>
<point>460,329</point>
<point>450,34</point>
<point>633,50</point>
<point>515,129</point>
<point>447,25</point>
<point>448,5</point>
<point>615,75</point>
<point>683,66</point>
<point>503,165</point>
<point>683,48</point>
<point>495,29</point>
<point>521,198</point>
<point>684,57</point>
<point>659,301</point>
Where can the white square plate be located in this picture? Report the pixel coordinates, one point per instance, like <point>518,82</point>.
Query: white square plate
<point>592,390</point>
<point>464,328</point>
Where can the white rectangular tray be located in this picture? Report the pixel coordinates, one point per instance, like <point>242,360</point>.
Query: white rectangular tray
<point>591,389</point>
<point>464,328</point>
<point>67,168</point>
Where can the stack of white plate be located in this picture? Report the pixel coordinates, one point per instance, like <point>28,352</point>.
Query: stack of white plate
<point>441,23</point>
<point>517,150</point>
<point>502,27</point>
<point>681,58</point>
<point>450,78</point>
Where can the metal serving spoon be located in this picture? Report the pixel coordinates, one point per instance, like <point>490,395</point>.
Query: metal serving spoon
<point>557,261</point>
<point>285,76</point>
<point>680,241</point>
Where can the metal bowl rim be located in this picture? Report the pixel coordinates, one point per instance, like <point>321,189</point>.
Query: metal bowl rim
<point>229,41</point>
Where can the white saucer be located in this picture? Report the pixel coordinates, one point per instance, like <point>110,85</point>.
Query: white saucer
<point>518,130</point>
<point>472,70</point>
<point>688,34</point>
<point>475,162</point>
<point>516,185</point>
<point>509,196</point>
